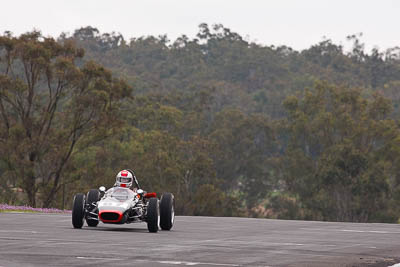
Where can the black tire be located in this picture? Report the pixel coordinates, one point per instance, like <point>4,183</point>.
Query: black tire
<point>92,196</point>
<point>167,211</point>
<point>153,215</point>
<point>78,210</point>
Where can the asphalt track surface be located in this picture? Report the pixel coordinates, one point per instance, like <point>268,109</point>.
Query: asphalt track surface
<point>50,240</point>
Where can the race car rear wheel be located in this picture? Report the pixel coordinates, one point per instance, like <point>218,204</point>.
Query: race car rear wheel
<point>78,210</point>
<point>92,197</point>
<point>153,215</point>
<point>167,211</point>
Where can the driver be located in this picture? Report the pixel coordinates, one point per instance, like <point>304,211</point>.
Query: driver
<point>126,178</point>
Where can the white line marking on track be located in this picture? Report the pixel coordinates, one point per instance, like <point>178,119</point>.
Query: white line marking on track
<point>228,241</point>
<point>396,265</point>
<point>363,231</point>
<point>351,230</point>
<point>312,255</point>
<point>187,263</point>
<point>94,258</point>
<point>18,231</point>
<point>287,244</point>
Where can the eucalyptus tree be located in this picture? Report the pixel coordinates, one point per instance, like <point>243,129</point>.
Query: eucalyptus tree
<point>342,153</point>
<point>50,101</point>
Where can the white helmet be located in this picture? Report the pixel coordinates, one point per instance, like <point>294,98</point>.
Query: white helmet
<point>124,179</point>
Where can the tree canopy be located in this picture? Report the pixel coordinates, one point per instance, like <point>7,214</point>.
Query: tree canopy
<point>231,127</point>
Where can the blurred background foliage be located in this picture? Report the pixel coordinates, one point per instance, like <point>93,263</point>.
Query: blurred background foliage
<point>231,127</point>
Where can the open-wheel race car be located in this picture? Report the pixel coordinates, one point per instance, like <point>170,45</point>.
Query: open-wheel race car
<point>120,205</point>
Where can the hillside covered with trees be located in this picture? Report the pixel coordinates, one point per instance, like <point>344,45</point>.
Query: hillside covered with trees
<point>231,127</point>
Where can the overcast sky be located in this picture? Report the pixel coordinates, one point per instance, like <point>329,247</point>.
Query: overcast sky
<point>294,23</point>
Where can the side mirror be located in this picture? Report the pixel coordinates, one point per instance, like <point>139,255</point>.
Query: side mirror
<point>140,191</point>
<point>102,189</point>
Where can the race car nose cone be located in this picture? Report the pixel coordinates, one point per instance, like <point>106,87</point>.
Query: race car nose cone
<point>108,216</point>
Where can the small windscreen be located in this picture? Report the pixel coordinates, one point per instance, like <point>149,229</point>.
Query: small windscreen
<point>122,194</point>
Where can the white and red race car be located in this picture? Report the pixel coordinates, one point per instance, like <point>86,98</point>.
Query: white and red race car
<point>120,205</point>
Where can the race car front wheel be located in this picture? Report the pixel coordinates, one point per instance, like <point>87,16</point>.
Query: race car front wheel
<point>167,212</point>
<point>78,210</point>
<point>92,197</point>
<point>153,215</point>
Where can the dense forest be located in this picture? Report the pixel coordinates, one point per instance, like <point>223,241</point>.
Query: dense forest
<point>231,127</point>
